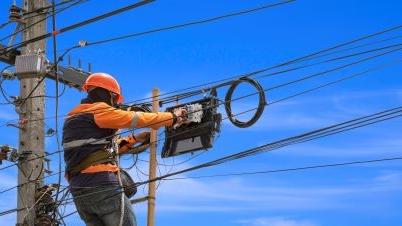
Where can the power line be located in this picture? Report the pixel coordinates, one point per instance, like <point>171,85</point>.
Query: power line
<point>49,7</point>
<point>5,24</point>
<point>56,103</point>
<point>289,62</point>
<point>44,19</point>
<point>191,23</point>
<point>242,97</point>
<point>198,92</point>
<point>317,54</point>
<point>304,57</point>
<point>80,24</point>
<point>248,95</point>
<point>372,161</point>
<point>345,128</point>
<point>56,114</point>
<point>3,92</point>
<point>360,162</point>
<point>274,102</point>
<point>31,181</point>
<point>316,134</point>
<point>10,211</point>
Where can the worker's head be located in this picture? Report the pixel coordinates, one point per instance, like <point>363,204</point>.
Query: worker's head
<point>103,87</point>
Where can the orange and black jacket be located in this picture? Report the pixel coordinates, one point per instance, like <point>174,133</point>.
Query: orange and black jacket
<point>90,127</point>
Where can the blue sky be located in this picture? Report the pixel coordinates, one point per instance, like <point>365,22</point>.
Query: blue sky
<point>354,195</point>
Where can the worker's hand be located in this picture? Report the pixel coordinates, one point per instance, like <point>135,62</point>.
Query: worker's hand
<point>181,117</point>
<point>142,137</point>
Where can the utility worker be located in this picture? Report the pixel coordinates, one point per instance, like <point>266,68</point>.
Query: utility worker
<point>88,138</point>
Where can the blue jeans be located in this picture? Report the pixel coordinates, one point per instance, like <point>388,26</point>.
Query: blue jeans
<point>101,206</point>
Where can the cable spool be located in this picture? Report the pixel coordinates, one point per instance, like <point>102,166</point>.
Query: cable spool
<point>261,102</point>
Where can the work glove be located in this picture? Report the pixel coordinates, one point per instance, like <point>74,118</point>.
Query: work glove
<point>142,137</point>
<point>126,143</point>
<point>180,117</point>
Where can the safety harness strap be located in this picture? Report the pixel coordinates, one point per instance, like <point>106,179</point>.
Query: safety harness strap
<point>95,158</point>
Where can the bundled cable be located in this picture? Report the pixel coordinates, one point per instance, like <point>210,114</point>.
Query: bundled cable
<point>261,102</point>
<point>308,136</point>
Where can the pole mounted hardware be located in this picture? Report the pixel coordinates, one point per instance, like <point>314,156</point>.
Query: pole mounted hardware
<point>45,205</point>
<point>8,75</point>
<point>7,153</point>
<point>199,134</point>
<point>15,14</point>
<point>34,64</point>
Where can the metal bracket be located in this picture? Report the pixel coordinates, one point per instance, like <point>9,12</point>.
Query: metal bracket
<point>47,168</point>
<point>7,153</point>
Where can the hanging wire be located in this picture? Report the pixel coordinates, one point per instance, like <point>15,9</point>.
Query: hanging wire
<point>245,96</point>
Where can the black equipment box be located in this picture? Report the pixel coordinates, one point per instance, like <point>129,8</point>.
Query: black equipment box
<point>199,134</point>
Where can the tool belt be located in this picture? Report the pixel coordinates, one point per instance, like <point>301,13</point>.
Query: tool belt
<point>98,157</point>
<point>102,157</point>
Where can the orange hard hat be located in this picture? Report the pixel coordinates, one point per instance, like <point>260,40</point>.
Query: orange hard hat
<point>105,81</point>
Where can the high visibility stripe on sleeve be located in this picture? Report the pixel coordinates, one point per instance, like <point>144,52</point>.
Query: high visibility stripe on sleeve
<point>135,120</point>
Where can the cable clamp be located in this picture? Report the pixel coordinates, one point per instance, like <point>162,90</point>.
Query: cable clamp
<point>54,33</point>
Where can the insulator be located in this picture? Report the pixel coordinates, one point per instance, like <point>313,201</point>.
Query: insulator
<point>15,13</point>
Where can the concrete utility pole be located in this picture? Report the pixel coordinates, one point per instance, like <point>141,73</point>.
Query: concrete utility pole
<point>31,135</point>
<point>152,162</point>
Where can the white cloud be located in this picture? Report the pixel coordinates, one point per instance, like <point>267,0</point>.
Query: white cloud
<point>238,194</point>
<point>390,178</point>
<point>7,180</point>
<point>275,221</point>
<point>7,115</point>
<point>326,110</point>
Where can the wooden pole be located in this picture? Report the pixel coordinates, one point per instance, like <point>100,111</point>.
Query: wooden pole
<point>31,135</point>
<point>152,163</point>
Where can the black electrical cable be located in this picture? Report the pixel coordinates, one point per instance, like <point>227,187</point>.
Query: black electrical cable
<point>40,10</point>
<point>3,213</point>
<point>363,45</point>
<point>3,92</point>
<point>5,24</point>
<point>360,162</point>
<point>79,24</point>
<point>54,153</point>
<point>191,23</point>
<point>359,122</point>
<point>203,90</point>
<point>261,102</point>
<point>310,90</point>
<point>30,181</point>
<point>293,61</point>
<point>373,69</point>
<point>41,20</point>
<point>333,82</point>
<point>32,91</point>
<point>198,92</point>
<point>55,71</point>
